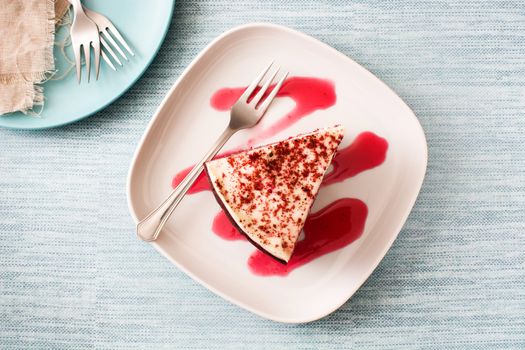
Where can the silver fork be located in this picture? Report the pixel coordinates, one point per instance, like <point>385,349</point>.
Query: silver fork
<point>107,31</point>
<point>84,34</point>
<point>244,114</point>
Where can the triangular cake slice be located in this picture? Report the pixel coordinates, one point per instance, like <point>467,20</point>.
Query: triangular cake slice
<point>267,192</point>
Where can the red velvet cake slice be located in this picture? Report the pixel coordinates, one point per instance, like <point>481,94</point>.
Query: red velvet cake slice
<point>267,192</point>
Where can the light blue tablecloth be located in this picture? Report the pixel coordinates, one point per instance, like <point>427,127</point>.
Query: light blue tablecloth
<point>74,276</point>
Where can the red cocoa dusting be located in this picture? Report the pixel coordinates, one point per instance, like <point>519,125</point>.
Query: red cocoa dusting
<point>272,169</point>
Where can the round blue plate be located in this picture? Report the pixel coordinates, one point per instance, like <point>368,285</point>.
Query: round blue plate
<point>143,24</point>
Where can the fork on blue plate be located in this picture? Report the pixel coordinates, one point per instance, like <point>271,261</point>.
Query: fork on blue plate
<point>93,30</point>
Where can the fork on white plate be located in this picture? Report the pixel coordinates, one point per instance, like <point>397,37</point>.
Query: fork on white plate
<point>244,114</point>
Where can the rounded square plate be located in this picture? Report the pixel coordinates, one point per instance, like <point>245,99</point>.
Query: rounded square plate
<point>185,126</point>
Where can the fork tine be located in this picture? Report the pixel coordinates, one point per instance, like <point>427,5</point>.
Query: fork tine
<point>114,43</point>
<point>96,52</point>
<point>253,85</point>
<point>87,58</point>
<point>108,49</point>
<point>272,95</point>
<point>119,37</point>
<point>263,89</point>
<point>77,52</point>
<point>107,60</point>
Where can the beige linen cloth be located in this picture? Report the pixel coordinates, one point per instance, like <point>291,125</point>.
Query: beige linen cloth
<point>27,34</point>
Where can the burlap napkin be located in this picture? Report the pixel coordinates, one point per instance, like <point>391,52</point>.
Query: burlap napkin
<point>27,30</point>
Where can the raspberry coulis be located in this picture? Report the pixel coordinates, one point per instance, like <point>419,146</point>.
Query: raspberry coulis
<point>309,94</point>
<point>201,184</point>
<point>332,227</point>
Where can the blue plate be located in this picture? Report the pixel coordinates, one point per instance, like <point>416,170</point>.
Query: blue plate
<point>143,24</point>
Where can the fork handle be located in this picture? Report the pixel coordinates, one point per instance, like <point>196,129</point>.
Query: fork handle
<point>149,228</point>
<point>77,5</point>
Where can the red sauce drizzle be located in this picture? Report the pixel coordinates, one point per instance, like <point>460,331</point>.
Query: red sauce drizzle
<point>201,184</point>
<point>309,95</point>
<point>331,228</point>
<point>224,228</point>
<point>366,152</point>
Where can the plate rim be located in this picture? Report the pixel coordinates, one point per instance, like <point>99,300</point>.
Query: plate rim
<point>116,97</point>
<point>396,230</point>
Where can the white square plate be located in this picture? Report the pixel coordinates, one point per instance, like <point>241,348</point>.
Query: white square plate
<point>185,126</point>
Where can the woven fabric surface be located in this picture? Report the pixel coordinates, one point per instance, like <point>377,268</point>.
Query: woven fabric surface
<point>74,276</point>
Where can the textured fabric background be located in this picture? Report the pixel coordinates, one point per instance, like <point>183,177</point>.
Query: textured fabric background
<point>73,275</point>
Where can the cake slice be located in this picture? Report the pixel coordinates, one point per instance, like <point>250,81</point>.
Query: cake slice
<point>268,191</point>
